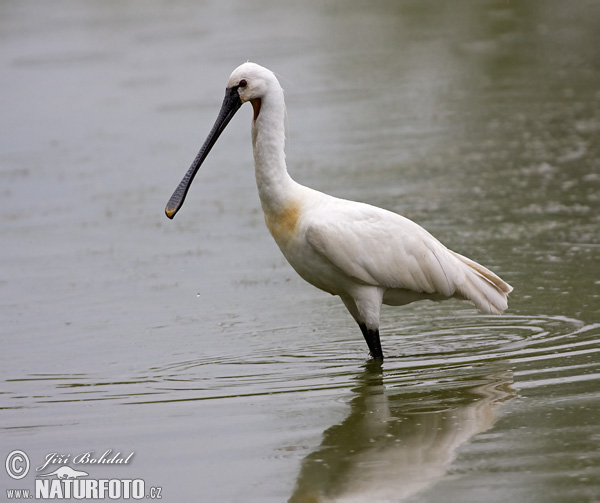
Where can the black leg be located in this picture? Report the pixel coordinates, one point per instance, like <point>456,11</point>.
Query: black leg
<point>372,338</point>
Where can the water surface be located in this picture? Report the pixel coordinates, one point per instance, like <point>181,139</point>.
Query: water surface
<point>193,344</point>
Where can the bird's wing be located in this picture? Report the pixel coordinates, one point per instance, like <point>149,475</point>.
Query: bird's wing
<point>378,247</point>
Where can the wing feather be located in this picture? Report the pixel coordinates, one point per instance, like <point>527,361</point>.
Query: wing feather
<point>380,248</point>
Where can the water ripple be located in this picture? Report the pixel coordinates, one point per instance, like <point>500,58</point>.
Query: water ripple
<point>447,351</point>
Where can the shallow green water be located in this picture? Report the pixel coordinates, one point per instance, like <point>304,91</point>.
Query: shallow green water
<point>193,344</point>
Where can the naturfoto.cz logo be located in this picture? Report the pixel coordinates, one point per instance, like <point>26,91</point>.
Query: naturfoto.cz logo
<point>61,481</point>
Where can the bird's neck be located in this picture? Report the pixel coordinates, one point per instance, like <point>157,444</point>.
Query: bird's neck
<point>275,186</point>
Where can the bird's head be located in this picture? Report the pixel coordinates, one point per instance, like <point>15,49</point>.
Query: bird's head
<point>251,81</point>
<point>248,82</point>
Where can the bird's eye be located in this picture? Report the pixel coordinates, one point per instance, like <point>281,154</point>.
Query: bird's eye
<point>243,83</point>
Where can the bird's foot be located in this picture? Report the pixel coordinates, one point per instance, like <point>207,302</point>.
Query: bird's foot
<point>373,341</point>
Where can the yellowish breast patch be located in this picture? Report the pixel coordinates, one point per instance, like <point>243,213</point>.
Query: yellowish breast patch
<point>282,225</point>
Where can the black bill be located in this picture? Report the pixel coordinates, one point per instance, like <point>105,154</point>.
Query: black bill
<point>230,106</point>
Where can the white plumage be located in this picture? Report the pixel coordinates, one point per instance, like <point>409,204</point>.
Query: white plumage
<point>364,254</point>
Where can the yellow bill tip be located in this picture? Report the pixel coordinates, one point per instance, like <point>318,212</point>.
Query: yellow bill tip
<point>170,212</point>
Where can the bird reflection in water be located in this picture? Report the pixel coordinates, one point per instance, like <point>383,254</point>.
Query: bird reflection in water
<point>398,441</point>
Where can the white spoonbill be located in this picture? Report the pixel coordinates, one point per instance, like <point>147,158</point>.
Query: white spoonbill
<point>364,254</point>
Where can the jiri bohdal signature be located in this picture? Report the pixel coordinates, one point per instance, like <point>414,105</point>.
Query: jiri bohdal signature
<point>86,458</point>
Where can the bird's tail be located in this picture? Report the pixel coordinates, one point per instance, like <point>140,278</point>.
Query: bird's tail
<point>482,287</point>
